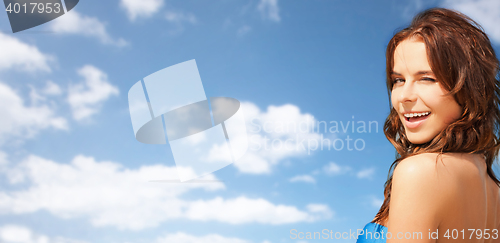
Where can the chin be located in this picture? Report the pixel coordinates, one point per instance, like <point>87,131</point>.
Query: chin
<point>416,139</point>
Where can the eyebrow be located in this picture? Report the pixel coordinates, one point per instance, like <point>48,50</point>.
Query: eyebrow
<point>417,73</point>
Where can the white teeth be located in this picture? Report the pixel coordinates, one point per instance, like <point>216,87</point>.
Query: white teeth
<point>409,115</point>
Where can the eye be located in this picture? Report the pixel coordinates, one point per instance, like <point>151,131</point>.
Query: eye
<point>397,80</point>
<point>429,79</point>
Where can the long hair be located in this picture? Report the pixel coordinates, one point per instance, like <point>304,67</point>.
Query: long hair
<point>464,63</point>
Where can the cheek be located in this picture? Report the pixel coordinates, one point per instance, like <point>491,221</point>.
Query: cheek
<point>433,98</point>
<point>448,109</point>
<point>454,111</point>
<point>394,100</point>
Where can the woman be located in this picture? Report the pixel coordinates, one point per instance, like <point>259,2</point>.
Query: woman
<point>444,123</point>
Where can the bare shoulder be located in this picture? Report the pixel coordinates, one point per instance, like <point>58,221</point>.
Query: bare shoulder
<point>416,167</point>
<point>438,186</point>
<point>425,178</point>
<point>447,169</point>
<point>418,193</point>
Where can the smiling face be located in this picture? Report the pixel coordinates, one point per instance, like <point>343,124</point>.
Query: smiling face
<point>419,99</point>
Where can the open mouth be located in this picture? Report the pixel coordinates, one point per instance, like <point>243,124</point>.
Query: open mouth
<point>414,117</point>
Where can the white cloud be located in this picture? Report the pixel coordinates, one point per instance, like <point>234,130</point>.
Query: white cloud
<point>185,238</point>
<point>376,202</point>
<point>35,97</point>
<point>102,191</point>
<point>335,169</point>
<point>20,121</point>
<point>218,153</point>
<point>141,8</point>
<point>19,55</point>
<point>14,233</point>
<point>277,134</point>
<point>243,30</point>
<point>254,163</point>
<point>246,210</point>
<point>20,234</point>
<point>408,9</point>
<point>179,17</point>
<point>51,88</point>
<point>365,173</point>
<point>3,160</point>
<point>86,98</point>
<point>76,23</point>
<point>39,96</point>
<point>303,178</point>
<point>322,210</point>
<point>269,9</point>
<point>485,12</point>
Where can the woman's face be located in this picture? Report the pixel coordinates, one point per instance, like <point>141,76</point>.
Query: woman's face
<point>417,96</point>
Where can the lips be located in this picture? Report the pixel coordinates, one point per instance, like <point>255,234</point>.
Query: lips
<point>418,118</point>
<point>414,122</point>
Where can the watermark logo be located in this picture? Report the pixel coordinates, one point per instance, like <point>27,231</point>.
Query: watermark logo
<point>26,14</point>
<point>205,135</point>
<point>307,134</point>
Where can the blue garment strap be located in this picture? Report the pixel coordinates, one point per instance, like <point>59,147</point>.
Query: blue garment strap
<point>373,233</point>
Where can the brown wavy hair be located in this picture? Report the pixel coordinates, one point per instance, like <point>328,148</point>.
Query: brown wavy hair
<point>464,62</point>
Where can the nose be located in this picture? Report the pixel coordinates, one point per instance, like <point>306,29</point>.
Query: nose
<point>407,93</point>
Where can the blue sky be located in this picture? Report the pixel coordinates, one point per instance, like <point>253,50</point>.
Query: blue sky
<point>72,171</point>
